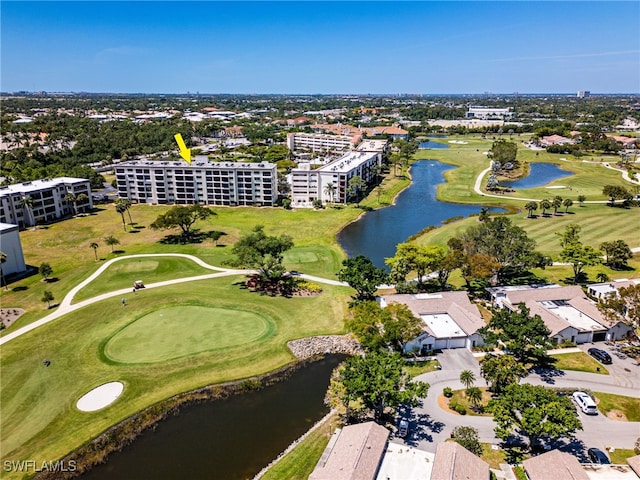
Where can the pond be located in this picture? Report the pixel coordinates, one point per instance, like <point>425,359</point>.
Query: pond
<point>540,174</point>
<point>431,145</point>
<point>376,233</point>
<point>229,439</point>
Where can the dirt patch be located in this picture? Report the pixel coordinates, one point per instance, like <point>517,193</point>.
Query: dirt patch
<point>9,315</point>
<point>443,403</point>
<point>617,415</point>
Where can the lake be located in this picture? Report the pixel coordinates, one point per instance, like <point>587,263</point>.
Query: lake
<point>376,234</point>
<point>540,174</point>
<point>230,439</point>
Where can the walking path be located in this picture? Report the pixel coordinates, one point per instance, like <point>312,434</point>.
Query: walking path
<point>66,306</point>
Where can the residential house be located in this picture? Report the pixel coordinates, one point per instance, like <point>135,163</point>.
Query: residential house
<point>554,465</point>
<point>454,462</point>
<point>449,319</point>
<point>566,311</point>
<point>354,453</point>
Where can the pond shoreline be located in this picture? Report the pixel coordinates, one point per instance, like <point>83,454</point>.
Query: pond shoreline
<point>122,434</point>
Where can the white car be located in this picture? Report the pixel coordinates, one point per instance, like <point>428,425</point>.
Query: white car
<point>403,429</point>
<point>585,402</point>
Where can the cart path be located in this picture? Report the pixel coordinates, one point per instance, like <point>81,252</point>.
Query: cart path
<point>66,306</point>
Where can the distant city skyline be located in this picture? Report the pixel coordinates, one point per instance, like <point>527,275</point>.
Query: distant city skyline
<point>335,47</point>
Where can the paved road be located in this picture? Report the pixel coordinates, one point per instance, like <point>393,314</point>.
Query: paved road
<point>432,425</point>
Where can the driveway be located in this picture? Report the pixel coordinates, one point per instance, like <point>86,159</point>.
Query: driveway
<point>430,424</point>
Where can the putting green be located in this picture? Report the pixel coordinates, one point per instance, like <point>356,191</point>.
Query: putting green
<point>175,332</point>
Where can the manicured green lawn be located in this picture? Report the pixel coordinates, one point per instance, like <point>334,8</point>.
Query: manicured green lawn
<point>418,368</point>
<point>630,406</point>
<point>39,418</point>
<point>620,455</point>
<point>460,398</point>
<point>493,457</point>
<point>123,273</point>
<point>187,330</point>
<point>578,361</point>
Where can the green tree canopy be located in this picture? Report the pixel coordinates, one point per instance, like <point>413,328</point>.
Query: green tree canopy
<point>468,438</point>
<point>263,252</point>
<point>623,307</point>
<point>362,275</point>
<point>378,382</point>
<point>183,217</point>
<point>503,151</point>
<point>535,412</point>
<point>526,337</point>
<point>617,253</point>
<point>501,370</point>
<point>410,257</point>
<point>45,270</point>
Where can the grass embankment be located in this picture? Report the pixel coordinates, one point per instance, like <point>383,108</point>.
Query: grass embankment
<point>39,418</point>
<point>629,406</point>
<point>300,462</point>
<point>620,455</point>
<point>578,361</point>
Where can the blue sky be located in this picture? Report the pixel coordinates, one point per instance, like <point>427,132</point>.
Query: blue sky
<point>324,47</point>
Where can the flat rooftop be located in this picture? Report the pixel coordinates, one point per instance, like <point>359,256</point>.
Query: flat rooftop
<point>406,463</point>
<point>575,317</point>
<point>347,162</point>
<point>442,325</point>
<point>36,185</point>
<point>199,161</point>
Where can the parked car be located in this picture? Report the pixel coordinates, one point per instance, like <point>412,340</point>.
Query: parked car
<point>585,402</point>
<point>598,456</point>
<point>600,355</point>
<point>403,429</point>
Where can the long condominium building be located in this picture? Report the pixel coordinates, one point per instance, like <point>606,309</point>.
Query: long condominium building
<point>330,183</point>
<point>42,201</point>
<point>489,113</point>
<point>201,181</point>
<point>317,142</point>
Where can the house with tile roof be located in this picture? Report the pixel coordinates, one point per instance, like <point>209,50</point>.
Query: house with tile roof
<point>567,311</point>
<point>554,465</point>
<point>449,319</point>
<point>354,452</point>
<point>454,462</point>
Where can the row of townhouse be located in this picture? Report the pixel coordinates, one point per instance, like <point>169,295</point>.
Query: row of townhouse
<point>330,182</point>
<point>47,202</point>
<point>450,320</point>
<point>201,181</point>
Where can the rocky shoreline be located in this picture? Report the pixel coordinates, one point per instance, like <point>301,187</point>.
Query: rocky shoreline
<point>306,348</point>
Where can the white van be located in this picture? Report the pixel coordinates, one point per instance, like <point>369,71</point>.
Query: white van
<point>585,402</point>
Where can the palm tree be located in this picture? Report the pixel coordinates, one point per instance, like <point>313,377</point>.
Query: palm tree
<point>3,259</point>
<point>545,205</point>
<point>556,203</point>
<point>71,198</point>
<point>111,241</point>
<point>120,208</point>
<point>581,199</point>
<point>330,189</point>
<point>355,186</point>
<point>474,394</point>
<point>531,207</point>
<point>27,204</point>
<point>94,245</point>
<point>126,204</point>
<point>82,200</point>
<point>467,378</point>
<point>567,202</point>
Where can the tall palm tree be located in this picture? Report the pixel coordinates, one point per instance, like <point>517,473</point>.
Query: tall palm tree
<point>71,198</point>
<point>27,205</point>
<point>567,202</point>
<point>124,203</point>
<point>3,259</point>
<point>120,208</point>
<point>467,378</point>
<point>556,203</point>
<point>82,200</point>
<point>545,205</point>
<point>474,394</point>
<point>330,189</point>
<point>531,207</point>
<point>94,245</point>
<point>111,241</point>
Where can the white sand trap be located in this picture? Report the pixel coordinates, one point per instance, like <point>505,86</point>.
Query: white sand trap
<point>557,186</point>
<point>100,397</point>
<point>485,153</point>
<point>460,142</point>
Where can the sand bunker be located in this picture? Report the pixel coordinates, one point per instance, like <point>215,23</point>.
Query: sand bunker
<point>459,142</point>
<point>557,186</point>
<point>100,397</point>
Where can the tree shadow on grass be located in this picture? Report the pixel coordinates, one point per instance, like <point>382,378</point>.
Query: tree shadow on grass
<point>19,289</point>
<point>195,236</point>
<point>118,251</point>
